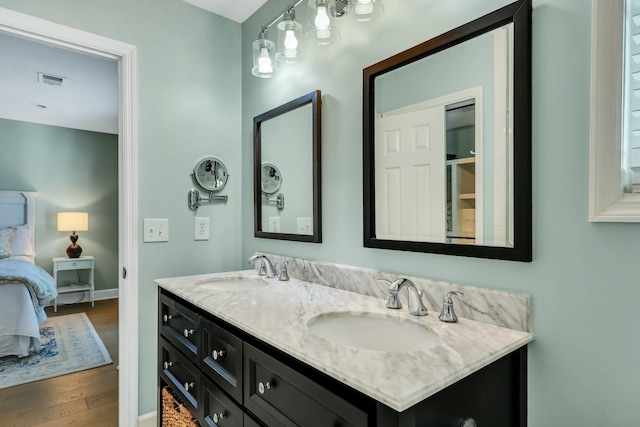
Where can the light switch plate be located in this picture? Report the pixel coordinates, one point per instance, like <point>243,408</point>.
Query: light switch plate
<point>201,230</point>
<point>156,230</point>
<point>304,225</point>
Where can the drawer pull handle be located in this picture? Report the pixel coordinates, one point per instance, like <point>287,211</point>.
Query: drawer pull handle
<point>187,386</point>
<point>262,387</point>
<point>468,422</point>
<point>167,317</point>
<point>167,365</point>
<point>74,263</point>
<point>188,332</point>
<point>218,417</point>
<point>217,353</point>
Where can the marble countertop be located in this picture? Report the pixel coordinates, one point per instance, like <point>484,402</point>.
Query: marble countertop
<point>279,312</point>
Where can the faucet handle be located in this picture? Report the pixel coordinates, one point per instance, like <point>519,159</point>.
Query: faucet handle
<point>284,275</point>
<point>263,268</point>
<point>448,314</point>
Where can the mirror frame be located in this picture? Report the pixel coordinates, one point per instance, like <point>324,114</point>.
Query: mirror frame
<point>313,98</point>
<point>520,14</point>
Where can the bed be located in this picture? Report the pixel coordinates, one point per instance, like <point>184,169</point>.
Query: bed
<point>24,287</point>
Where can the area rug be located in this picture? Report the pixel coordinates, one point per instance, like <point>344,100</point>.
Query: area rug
<point>68,344</point>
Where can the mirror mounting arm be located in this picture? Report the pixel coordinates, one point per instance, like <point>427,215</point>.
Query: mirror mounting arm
<point>279,201</point>
<point>195,200</point>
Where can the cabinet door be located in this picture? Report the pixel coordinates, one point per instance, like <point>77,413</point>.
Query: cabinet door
<point>179,325</point>
<point>280,396</point>
<point>221,358</point>
<point>181,376</point>
<point>219,410</point>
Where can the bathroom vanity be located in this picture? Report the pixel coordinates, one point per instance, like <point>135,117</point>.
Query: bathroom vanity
<point>242,355</point>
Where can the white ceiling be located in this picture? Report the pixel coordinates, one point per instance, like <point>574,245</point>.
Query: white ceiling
<point>87,99</point>
<point>236,10</point>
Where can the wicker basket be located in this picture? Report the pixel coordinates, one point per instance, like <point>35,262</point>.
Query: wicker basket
<point>174,413</point>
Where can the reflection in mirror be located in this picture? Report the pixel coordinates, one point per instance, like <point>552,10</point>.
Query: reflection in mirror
<point>289,137</point>
<point>271,178</point>
<point>447,142</point>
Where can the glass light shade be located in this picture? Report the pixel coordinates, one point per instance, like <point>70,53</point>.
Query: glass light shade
<point>364,10</point>
<point>73,221</point>
<point>264,57</point>
<point>322,22</point>
<point>289,40</point>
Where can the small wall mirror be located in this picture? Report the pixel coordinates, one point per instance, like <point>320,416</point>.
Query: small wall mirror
<point>447,142</point>
<point>287,161</point>
<point>271,178</point>
<point>211,174</point>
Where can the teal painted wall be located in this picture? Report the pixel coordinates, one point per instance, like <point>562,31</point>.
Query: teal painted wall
<point>73,170</point>
<point>189,107</point>
<point>584,282</point>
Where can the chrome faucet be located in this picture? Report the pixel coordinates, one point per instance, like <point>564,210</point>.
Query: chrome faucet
<point>266,267</point>
<point>394,300</point>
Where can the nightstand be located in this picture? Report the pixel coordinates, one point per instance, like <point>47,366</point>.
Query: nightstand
<point>65,264</point>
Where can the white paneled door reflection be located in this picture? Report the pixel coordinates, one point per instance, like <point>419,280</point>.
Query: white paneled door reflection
<point>410,176</point>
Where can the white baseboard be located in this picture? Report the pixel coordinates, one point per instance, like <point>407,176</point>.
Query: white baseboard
<point>77,297</point>
<point>148,420</point>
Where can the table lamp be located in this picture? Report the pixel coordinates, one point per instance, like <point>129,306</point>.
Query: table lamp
<point>73,221</point>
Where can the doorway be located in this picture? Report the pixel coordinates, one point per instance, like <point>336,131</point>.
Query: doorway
<point>43,31</point>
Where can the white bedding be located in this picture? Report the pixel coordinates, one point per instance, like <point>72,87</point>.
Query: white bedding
<point>19,323</point>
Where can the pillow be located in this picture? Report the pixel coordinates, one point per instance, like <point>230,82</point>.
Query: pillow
<point>6,241</point>
<point>23,241</point>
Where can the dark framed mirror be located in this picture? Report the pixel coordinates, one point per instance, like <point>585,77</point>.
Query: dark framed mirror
<point>286,159</point>
<point>447,142</point>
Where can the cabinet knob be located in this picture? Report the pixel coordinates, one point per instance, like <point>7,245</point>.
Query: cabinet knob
<point>188,332</point>
<point>188,386</point>
<point>262,387</point>
<point>218,417</point>
<point>167,365</point>
<point>217,353</point>
<point>167,317</point>
<point>468,422</point>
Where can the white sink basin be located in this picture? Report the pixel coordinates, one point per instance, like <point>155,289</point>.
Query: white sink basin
<point>374,332</point>
<point>232,283</point>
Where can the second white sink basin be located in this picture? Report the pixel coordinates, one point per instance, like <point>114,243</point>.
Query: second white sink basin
<point>232,283</point>
<point>374,332</point>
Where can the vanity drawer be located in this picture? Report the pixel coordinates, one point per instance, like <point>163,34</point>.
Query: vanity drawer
<point>180,374</point>
<point>179,325</point>
<point>221,358</point>
<point>280,396</point>
<point>219,410</point>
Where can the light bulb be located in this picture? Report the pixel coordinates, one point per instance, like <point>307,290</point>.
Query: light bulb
<point>322,19</point>
<point>290,44</point>
<point>364,7</point>
<point>264,61</point>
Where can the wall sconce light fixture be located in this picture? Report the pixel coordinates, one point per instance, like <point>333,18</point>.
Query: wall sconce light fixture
<point>322,30</point>
<point>264,56</point>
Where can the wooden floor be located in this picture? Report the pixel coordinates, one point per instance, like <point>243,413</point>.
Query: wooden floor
<point>86,398</point>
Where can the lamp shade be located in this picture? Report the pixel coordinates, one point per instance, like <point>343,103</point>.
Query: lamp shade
<point>73,221</point>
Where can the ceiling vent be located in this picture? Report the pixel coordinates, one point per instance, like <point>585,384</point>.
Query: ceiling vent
<point>50,79</point>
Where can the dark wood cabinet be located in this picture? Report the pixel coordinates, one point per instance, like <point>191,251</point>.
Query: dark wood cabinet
<point>229,378</point>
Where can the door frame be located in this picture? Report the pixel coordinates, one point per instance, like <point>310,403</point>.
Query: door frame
<point>36,29</point>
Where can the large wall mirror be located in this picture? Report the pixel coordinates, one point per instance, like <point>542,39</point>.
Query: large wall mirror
<point>287,195</point>
<point>447,142</point>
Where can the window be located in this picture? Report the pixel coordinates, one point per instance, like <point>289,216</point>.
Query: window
<point>615,112</point>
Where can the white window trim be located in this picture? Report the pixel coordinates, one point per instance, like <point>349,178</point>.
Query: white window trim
<point>607,201</point>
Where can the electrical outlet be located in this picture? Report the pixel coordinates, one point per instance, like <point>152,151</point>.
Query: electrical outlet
<point>304,225</point>
<point>274,224</point>
<point>156,230</point>
<point>201,231</point>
